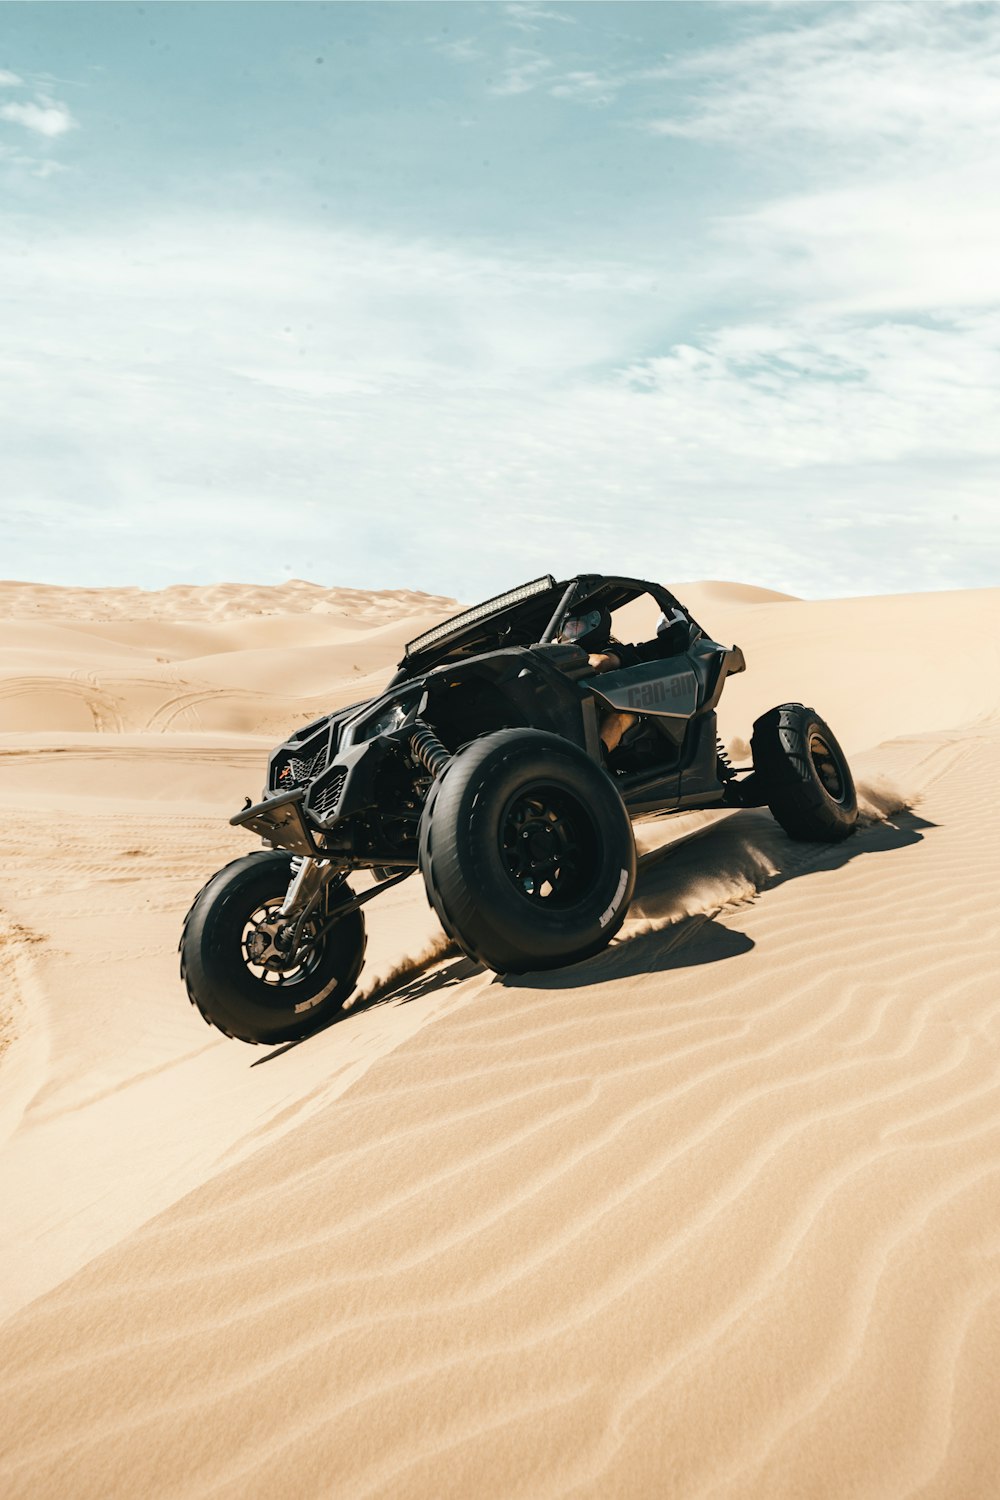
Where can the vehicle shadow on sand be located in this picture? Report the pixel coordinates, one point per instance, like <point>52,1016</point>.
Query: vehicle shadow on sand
<point>673,922</point>
<point>426,977</point>
<point>448,967</point>
<point>680,894</point>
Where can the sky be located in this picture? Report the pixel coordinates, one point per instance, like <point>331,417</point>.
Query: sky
<point>446,296</point>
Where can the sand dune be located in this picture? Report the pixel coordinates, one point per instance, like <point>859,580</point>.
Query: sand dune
<point>222,601</point>
<point>222,660</point>
<point>713,1213</point>
<point>716,591</point>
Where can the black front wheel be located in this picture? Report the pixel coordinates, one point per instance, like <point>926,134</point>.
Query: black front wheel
<point>803,774</point>
<point>527,852</point>
<point>239,968</point>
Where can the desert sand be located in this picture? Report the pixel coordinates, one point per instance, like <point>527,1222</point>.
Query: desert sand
<point>714,1213</point>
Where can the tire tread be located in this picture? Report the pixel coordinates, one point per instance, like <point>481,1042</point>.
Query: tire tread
<point>199,986</point>
<point>781,758</point>
<point>454,896</point>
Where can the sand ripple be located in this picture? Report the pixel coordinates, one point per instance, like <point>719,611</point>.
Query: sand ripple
<point>713,1214</point>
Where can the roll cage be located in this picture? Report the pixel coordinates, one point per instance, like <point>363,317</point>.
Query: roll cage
<point>532,614</point>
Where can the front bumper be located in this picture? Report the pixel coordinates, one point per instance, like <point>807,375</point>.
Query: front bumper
<point>280,822</point>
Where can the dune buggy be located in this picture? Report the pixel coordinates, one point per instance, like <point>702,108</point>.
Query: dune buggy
<point>481,765</point>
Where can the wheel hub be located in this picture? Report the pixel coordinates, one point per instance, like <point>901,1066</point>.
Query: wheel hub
<point>543,845</point>
<point>826,766</point>
<point>544,840</point>
<point>267,946</point>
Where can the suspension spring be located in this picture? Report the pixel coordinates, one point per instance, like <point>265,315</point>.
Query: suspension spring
<point>726,769</point>
<point>426,748</point>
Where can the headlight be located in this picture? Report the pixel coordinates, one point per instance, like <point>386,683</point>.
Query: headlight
<point>389,718</point>
<point>382,722</point>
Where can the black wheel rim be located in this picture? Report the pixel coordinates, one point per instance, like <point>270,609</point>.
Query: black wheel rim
<point>266,948</point>
<point>826,764</point>
<point>548,846</point>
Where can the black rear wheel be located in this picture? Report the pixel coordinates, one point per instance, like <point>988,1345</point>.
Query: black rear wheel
<point>804,774</point>
<point>238,963</point>
<point>527,852</point>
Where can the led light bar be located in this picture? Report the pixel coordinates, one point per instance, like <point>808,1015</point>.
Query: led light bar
<point>482,611</point>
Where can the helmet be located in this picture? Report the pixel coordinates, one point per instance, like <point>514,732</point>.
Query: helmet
<point>587,630</point>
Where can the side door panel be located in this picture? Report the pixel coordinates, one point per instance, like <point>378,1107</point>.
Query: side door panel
<point>666,689</point>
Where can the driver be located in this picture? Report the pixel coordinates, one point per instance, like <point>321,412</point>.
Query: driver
<point>593,629</point>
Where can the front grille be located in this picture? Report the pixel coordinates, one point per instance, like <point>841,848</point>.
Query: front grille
<point>323,802</point>
<point>302,772</point>
<point>299,765</point>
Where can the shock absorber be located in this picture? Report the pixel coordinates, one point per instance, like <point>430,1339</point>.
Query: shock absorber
<point>726,770</point>
<point>304,882</point>
<point>426,748</point>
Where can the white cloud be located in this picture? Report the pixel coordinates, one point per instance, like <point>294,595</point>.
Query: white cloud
<point>517,69</point>
<point>895,80</point>
<point>526,68</point>
<point>9,80</point>
<point>914,79</point>
<point>921,243</point>
<point>20,164</point>
<point>522,71</point>
<point>585,87</point>
<point>462,50</point>
<point>44,116</point>
<point>214,399</point>
<point>797,396</point>
<point>524,15</point>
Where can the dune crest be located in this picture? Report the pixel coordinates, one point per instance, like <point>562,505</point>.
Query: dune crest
<point>218,601</point>
<point>720,591</point>
<point>711,1213</point>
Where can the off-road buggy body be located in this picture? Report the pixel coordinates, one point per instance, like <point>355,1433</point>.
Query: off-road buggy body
<point>481,764</point>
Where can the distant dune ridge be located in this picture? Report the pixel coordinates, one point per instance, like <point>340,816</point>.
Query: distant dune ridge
<point>219,601</point>
<point>714,1213</point>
